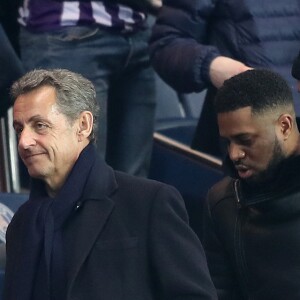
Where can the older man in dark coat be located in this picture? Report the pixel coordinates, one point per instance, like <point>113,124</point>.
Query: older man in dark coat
<point>88,232</point>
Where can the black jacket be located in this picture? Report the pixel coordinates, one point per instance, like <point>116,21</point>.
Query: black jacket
<point>252,238</point>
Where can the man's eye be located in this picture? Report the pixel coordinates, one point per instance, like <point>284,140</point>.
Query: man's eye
<point>18,131</point>
<point>246,142</point>
<point>41,126</point>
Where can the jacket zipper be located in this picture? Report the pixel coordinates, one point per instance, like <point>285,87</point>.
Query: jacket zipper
<point>236,183</point>
<point>238,243</point>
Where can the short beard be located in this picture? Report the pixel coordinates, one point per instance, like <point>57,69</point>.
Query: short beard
<point>272,169</point>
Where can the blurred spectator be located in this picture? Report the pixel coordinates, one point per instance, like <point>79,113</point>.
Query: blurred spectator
<point>11,69</point>
<point>107,42</point>
<point>8,19</point>
<point>198,44</point>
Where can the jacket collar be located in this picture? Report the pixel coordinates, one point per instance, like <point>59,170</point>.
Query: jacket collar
<point>287,180</point>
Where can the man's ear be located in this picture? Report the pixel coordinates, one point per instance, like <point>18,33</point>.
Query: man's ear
<point>85,125</point>
<point>286,124</point>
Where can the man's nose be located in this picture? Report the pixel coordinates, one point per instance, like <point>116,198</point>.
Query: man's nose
<point>235,152</point>
<point>26,138</point>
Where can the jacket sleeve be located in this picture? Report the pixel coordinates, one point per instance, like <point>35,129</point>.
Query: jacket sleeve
<point>12,65</point>
<point>177,257</point>
<point>179,47</point>
<point>219,261</point>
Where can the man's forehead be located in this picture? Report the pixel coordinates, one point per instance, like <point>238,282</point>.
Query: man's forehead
<point>238,122</point>
<point>40,97</point>
<point>237,114</point>
<point>39,91</point>
<point>32,106</point>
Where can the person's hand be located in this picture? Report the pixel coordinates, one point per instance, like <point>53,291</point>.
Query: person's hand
<point>222,68</point>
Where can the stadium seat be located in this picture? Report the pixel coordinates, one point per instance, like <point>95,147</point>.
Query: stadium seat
<point>190,171</point>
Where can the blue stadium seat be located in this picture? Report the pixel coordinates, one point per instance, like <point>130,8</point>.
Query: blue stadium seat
<point>190,171</point>
<point>13,200</point>
<point>173,161</point>
<point>177,114</point>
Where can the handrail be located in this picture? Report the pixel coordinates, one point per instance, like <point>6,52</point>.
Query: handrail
<point>9,162</point>
<point>191,153</point>
<point>4,171</point>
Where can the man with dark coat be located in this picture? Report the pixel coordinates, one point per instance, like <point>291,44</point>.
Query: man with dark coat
<point>252,221</point>
<point>87,231</point>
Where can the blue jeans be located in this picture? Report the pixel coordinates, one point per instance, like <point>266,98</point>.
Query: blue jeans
<point>118,65</point>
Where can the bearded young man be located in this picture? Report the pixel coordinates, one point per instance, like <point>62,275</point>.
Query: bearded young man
<point>252,221</point>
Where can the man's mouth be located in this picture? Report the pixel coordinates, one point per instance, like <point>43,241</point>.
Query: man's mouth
<point>243,171</point>
<point>30,156</point>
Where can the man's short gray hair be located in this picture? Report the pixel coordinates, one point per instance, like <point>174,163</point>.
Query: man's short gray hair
<point>74,93</point>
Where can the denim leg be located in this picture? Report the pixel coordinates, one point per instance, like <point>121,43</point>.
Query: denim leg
<point>75,49</point>
<point>131,110</point>
<point>119,68</point>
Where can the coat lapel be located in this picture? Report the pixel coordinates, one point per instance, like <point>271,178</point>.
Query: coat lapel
<point>87,227</point>
<point>88,220</point>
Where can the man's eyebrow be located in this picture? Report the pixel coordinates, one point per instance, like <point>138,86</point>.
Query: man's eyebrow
<point>237,136</point>
<point>31,119</point>
<point>241,135</point>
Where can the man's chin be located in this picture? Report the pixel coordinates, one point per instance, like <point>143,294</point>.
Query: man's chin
<point>252,181</point>
<point>35,173</point>
<point>258,180</point>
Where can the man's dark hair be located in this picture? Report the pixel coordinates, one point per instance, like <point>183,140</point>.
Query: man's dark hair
<point>262,90</point>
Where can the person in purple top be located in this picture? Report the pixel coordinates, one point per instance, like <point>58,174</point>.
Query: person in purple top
<point>107,42</point>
